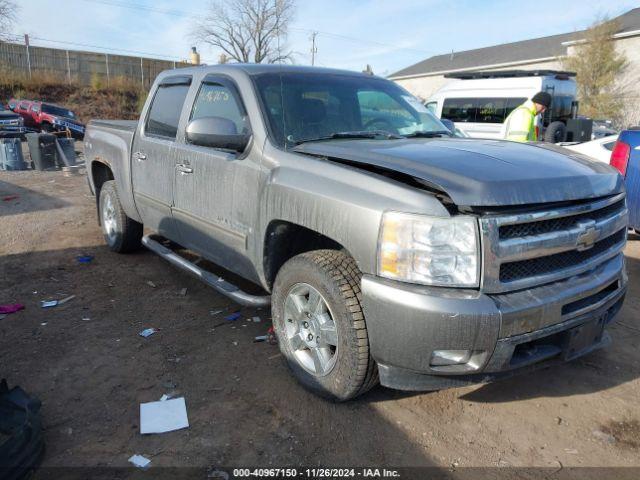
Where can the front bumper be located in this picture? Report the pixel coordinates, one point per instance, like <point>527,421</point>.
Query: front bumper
<point>506,333</point>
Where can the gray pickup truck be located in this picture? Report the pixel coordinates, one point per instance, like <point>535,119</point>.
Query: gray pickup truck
<point>389,250</point>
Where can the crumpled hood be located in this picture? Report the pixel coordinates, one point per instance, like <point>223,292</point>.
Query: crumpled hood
<point>482,172</point>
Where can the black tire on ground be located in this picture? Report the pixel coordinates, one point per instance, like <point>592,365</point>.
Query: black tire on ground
<point>336,276</point>
<point>121,233</point>
<point>555,132</point>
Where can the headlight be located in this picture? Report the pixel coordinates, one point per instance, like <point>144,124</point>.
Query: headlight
<point>429,250</point>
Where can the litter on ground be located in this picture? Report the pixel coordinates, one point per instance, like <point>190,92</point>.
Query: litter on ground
<point>261,338</point>
<point>140,461</point>
<point>233,317</point>
<point>256,319</point>
<point>151,284</point>
<point>182,292</point>
<point>53,303</point>
<point>84,258</point>
<point>163,416</point>
<point>147,332</point>
<point>10,308</point>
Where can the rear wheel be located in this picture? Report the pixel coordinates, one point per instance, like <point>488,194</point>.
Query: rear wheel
<point>556,132</point>
<point>320,325</point>
<point>121,233</point>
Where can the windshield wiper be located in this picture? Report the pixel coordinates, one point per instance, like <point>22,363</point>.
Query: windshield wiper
<point>428,134</point>
<point>365,134</point>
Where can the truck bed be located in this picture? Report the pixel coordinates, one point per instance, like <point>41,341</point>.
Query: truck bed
<point>126,125</point>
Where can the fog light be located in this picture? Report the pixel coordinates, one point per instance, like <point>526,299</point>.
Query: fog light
<point>471,359</point>
<point>441,358</point>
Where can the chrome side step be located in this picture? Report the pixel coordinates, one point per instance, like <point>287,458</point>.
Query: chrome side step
<point>218,283</point>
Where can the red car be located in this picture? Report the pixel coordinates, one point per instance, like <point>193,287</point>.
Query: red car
<point>47,117</point>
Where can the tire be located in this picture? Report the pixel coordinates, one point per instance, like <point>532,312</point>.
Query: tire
<point>121,233</point>
<point>555,132</point>
<point>335,276</point>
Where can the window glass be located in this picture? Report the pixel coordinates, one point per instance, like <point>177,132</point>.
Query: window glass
<point>480,110</point>
<point>432,106</point>
<point>219,101</point>
<point>561,108</point>
<point>609,145</point>
<point>24,106</point>
<point>459,109</point>
<point>165,110</point>
<point>35,108</point>
<point>300,106</point>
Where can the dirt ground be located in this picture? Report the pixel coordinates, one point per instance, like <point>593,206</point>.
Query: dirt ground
<point>91,369</point>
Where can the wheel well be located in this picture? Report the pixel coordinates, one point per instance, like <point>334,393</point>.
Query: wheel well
<point>284,240</point>
<point>100,173</point>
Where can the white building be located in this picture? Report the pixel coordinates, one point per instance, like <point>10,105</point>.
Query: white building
<point>427,76</point>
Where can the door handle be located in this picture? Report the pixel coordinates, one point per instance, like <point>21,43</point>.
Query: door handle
<point>184,169</point>
<point>139,156</point>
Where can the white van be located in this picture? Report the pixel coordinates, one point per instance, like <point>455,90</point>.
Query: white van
<point>479,102</point>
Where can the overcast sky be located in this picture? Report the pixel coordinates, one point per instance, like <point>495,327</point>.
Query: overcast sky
<point>388,34</point>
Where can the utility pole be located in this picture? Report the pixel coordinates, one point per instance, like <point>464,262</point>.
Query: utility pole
<point>314,49</point>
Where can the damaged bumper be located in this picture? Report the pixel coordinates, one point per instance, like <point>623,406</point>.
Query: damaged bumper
<point>428,338</point>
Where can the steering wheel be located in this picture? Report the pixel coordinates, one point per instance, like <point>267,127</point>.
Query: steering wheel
<point>380,124</point>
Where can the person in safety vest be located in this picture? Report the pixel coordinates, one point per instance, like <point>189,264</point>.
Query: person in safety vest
<point>520,125</point>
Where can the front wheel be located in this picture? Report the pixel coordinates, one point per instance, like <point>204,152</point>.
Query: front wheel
<point>321,330</point>
<point>121,233</point>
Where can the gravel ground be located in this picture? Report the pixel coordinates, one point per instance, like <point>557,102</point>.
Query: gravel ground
<point>87,364</point>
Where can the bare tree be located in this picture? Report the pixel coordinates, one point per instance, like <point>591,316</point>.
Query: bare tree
<point>8,10</point>
<point>248,31</point>
<point>599,70</point>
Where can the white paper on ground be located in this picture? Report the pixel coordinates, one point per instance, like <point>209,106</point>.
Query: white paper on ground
<point>165,416</point>
<point>140,461</point>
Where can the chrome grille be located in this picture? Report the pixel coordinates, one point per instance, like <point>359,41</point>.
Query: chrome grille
<point>528,249</point>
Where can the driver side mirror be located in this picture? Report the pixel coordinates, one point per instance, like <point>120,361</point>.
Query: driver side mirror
<point>216,132</point>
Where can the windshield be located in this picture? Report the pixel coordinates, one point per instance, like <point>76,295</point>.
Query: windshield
<point>59,111</point>
<point>305,106</point>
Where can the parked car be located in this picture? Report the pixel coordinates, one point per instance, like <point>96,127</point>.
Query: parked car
<point>479,102</point>
<point>388,249</point>
<point>48,117</point>
<point>11,124</point>
<point>599,149</point>
<point>626,159</point>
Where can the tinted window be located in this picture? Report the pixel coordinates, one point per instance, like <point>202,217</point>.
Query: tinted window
<point>165,110</point>
<point>609,145</point>
<point>35,108</point>
<point>219,101</point>
<point>301,106</point>
<point>24,106</point>
<point>480,110</point>
<point>561,108</point>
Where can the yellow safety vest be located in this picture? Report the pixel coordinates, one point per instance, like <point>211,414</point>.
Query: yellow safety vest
<point>520,125</point>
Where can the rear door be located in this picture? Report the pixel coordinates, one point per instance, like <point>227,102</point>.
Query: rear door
<point>209,181</point>
<point>154,155</point>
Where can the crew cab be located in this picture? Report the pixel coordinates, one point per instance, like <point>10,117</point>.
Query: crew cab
<point>48,117</point>
<point>388,249</point>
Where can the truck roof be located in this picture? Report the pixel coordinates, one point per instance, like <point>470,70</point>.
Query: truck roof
<point>261,68</point>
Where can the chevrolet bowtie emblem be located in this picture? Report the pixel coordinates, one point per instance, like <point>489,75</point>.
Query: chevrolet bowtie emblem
<point>588,236</point>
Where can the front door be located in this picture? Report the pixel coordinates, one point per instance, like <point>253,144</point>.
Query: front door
<point>209,180</point>
<point>153,155</point>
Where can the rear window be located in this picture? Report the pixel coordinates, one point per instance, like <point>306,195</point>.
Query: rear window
<point>165,111</point>
<point>479,110</point>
